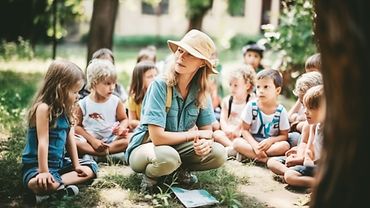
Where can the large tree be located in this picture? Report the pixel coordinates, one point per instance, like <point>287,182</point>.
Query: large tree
<point>196,10</point>
<point>343,32</point>
<point>102,25</point>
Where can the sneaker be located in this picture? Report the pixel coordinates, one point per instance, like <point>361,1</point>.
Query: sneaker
<point>148,185</point>
<point>184,177</point>
<point>69,190</point>
<point>117,158</point>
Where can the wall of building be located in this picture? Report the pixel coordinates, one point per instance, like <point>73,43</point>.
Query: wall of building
<point>217,22</point>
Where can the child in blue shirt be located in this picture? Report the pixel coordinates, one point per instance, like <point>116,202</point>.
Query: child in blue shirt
<point>45,168</point>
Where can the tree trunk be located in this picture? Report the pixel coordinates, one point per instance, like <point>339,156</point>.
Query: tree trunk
<point>196,21</point>
<point>55,15</point>
<point>343,31</point>
<point>102,26</point>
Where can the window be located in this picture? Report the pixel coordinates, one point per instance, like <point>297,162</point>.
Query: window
<point>236,8</point>
<point>148,8</point>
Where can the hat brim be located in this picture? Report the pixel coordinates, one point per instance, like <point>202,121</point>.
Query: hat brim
<point>173,45</point>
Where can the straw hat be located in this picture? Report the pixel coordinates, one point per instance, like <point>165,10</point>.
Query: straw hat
<point>199,45</point>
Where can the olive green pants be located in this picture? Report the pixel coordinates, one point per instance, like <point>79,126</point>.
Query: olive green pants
<point>157,161</point>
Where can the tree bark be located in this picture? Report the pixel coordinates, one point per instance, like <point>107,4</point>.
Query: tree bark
<point>102,26</point>
<point>343,31</point>
<point>196,21</point>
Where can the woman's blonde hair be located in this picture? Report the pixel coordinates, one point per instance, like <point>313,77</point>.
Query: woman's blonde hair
<point>246,72</point>
<point>61,76</point>
<point>100,70</point>
<point>201,75</point>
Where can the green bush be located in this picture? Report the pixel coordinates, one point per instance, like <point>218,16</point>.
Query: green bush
<point>142,41</point>
<point>16,50</point>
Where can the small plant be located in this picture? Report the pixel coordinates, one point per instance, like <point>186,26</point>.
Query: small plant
<point>21,49</point>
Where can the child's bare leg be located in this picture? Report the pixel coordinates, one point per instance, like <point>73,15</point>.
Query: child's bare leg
<point>86,148</point>
<point>221,138</point>
<point>38,189</point>
<point>276,166</point>
<point>73,178</point>
<point>294,178</point>
<point>243,147</point>
<point>278,148</point>
<point>117,146</point>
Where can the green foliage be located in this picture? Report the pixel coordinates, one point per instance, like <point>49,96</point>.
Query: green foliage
<point>142,41</point>
<point>240,40</point>
<point>131,182</point>
<point>20,49</point>
<point>124,79</point>
<point>15,94</point>
<point>222,184</point>
<point>294,37</point>
<point>236,7</point>
<point>14,98</point>
<point>196,7</point>
<point>67,12</point>
<point>10,161</point>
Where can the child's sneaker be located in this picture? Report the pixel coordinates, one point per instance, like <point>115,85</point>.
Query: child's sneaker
<point>184,177</point>
<point>69,190</point>
<point>148,185</point>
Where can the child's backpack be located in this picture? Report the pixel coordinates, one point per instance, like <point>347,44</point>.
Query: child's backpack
<point>266,127</point>
<point>231,102</point>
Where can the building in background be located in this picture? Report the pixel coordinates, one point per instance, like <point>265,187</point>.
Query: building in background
<point>135,17</point>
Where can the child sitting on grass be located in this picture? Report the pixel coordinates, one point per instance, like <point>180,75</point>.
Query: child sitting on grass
<point>241,82</point>
<point>265,121</point>
<point>101,117</point>
<point>46,169</point>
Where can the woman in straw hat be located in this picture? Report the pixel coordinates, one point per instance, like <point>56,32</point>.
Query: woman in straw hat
<point>178,139</point>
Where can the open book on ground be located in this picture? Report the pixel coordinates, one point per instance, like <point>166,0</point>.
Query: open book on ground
<point>194,198</point>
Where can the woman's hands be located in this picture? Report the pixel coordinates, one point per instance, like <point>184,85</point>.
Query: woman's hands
<point>203,142</point>
<point>202,146</point>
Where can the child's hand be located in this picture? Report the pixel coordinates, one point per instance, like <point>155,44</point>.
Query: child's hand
<point>265,144</point>
<point>261,155</point>
<point>99,146</point>
<point>292,150</point>
<point>293,160</point>
<point>202,146</point>
<point>80,171</point>
<point>44,180</point>
<point>118,130</point>
<point>308,162</point>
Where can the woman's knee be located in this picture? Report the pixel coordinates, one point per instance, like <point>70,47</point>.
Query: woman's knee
<point>219,154</point>
<point>167,158</point>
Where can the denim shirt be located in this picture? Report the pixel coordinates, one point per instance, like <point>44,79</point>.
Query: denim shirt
<point>57,140</point>
<point>182,115</point>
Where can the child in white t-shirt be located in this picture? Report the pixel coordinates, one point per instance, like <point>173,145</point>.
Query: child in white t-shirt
<point>241,82</point>
<point>265,122</point>
<point>101,117</point>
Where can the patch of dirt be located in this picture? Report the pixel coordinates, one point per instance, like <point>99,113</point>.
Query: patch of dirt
<point>264,188</point>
